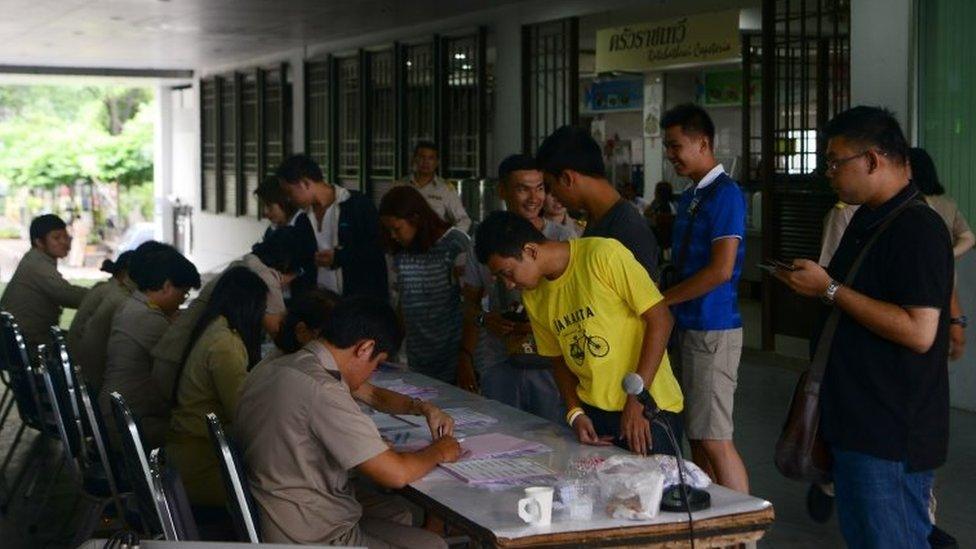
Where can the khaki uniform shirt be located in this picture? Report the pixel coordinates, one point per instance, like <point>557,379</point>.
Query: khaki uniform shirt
<point>35,295</point>
<point>136,327</point>
<point>444,200</point>
<point>168,353</point>
<point>210,382</point>
<point>91,327</point>
<point>301,432</point>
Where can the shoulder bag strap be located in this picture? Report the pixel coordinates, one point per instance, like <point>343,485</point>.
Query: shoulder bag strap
<point>819,363</point>
<point>697,202</point>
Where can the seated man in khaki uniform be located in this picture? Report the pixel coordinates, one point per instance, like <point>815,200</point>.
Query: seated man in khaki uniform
<point>275,260</point>
<point>163,277</point>
<point>88,335</point>
<point>37,292</point>
<point>303,434</point>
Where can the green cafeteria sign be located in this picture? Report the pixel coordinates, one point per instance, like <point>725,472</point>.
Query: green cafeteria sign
<point>706,38</point>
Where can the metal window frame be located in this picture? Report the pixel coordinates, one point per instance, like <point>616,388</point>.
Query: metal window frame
<point>530,81</point>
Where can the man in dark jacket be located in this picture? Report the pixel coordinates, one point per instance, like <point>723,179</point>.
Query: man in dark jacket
<point>350,258</point>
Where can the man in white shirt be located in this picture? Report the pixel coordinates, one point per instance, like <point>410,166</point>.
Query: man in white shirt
<point>441,195</point>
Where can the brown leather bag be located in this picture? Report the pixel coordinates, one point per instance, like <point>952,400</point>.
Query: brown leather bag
<point>801,453</point>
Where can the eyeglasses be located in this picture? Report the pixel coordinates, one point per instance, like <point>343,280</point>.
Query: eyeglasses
<point>832,165</point>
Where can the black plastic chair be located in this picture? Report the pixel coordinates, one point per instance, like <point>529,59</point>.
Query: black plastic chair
<point>136,465</point>
<point>171,501</point>
<point>239,498</point>
<point>34,413</point>
<point>67,389</point>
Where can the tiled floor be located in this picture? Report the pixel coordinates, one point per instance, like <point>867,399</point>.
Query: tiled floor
<point>766,384</point>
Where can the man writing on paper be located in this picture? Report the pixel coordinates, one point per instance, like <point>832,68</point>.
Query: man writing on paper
<point>596,313</point>
<point>304,436</point>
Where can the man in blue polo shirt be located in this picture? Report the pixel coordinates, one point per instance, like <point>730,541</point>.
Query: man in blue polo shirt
<point>708,250</point>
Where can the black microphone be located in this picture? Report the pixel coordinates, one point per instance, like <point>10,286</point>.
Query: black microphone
<point>633,384</point>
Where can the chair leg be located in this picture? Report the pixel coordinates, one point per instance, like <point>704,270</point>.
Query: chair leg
<point>29,466</point>
<point>90,522</point>
<point>10,452</point>
<point>6,405</point>
<point>45,496</point>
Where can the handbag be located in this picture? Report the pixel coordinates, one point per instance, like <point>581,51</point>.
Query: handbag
<point>801,452</point>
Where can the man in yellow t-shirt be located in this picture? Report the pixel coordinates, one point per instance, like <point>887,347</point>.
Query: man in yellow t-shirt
<point>596,313</point>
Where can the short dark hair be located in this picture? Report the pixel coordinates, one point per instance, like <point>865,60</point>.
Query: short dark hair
<point>358,318</point>
<point>924,175</point>
<point>313,309</point>
<point>280,249</point>
<point>270,192</point>
<point>154,263</point>
<point>504,234</point>
<point>120,265</point>
<point>42,225</point>
<point>426,145</point>
<point>871,127</point>
<point>571,148</point>
<point>407,203</point>
<point>297,167</point>
<point>692,120</point>
<point>515,163</point>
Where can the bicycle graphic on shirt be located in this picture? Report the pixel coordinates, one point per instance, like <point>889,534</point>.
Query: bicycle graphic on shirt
<point>583,343</point>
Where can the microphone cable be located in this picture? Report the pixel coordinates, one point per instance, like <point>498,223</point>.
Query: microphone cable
<point>682,487</point>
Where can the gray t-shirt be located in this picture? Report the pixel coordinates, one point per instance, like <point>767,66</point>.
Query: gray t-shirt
<point>625,225</point>
<point>501,299</point>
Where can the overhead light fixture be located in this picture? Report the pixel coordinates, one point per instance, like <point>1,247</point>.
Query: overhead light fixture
<point>460,56</point>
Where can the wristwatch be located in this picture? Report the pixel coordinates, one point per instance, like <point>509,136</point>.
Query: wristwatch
<point>962,321</point>
<point>831,292</point>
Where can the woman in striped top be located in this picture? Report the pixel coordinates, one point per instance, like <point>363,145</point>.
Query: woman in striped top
<point>426,251</point>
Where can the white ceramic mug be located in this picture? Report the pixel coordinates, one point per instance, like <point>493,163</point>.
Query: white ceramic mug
<point>536,507</point>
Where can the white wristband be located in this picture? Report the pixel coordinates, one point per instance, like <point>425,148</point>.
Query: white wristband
<point>574,415</point>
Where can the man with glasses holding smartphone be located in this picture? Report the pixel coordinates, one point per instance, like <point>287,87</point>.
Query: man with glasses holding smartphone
<point>884,401</point>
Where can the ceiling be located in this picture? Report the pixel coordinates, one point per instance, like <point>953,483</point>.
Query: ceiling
<point>188,34</point>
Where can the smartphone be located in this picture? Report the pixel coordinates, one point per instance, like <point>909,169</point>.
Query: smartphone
<point>772,266</point>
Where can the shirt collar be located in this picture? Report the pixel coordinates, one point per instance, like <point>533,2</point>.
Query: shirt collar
<point>324,357</point>
<point>871,216</point>
<point>41,256</point>
<point>294,218</point>
<point>710,177</point>
<point>144,299</point>
<point>437,180</point>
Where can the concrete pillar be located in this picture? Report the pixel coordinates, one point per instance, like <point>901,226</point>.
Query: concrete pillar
<point>507,138</point>
<point>163,163</point>
<point>881,56</point>
<point>653,135</point>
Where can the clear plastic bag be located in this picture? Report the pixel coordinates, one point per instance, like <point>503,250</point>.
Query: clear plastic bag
<point>632,486</point>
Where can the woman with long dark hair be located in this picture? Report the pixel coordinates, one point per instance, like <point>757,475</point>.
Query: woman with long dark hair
<point>425,252</point>
<point>224,344</point>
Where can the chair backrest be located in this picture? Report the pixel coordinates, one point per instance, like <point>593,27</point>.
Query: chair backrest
<point>171,501</point>
<point>96,430</point>
<point>62,419</point>
<point>239,498</point>
<point>58,365</point>
<point>136,465</point>
<point>18,367</point>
